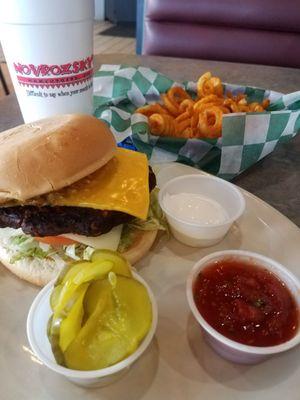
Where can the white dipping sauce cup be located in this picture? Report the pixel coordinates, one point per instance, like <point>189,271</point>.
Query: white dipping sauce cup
<point>48,46</point>
<point>37,320</point>
<point>195,234</point>
<point>227,348</point>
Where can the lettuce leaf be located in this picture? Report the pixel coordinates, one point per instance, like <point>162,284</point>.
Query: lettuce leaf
<point>156,220</point>
<point>36,252</point>
<point>20,246</point>
<point>127,237</point>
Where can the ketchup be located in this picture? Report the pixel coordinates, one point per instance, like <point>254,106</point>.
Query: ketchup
<point>246,303</point>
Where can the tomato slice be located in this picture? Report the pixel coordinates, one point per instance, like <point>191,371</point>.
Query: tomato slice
<point>55,240</point>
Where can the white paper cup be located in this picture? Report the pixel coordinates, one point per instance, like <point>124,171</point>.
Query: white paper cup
<point>227,348</point>
<point>37,320</point>
<point>226,194</point>
<point>48,46</point>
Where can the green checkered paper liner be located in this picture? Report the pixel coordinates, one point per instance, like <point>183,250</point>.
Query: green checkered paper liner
<point>246,137</point>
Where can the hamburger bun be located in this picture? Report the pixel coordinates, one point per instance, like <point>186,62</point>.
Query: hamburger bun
<point>34,270</point>
<point>39,272</point>
<point>58,143</point>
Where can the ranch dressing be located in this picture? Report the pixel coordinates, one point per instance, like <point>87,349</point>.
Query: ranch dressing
<point>195,208</point>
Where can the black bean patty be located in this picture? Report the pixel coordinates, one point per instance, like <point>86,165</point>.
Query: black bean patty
<point>57,220</point>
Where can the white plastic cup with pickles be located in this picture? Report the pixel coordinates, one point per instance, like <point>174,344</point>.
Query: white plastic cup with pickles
<point>94,321</point>
<point>48,46</point>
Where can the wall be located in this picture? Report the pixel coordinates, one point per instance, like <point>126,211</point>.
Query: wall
<point>99,10</point>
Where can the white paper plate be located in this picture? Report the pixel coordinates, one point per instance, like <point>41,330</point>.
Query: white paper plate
<point>178,364</point>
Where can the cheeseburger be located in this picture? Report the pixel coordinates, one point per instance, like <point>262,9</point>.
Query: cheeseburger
<point>66,189</point>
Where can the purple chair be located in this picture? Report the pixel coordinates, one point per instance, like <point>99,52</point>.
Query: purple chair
<point>247,31</point>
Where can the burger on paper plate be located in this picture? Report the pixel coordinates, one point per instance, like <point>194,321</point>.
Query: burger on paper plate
<point>66,189</point>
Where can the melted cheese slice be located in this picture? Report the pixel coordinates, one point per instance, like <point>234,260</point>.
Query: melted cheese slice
<point>121,185</point>
<point>109,240</point>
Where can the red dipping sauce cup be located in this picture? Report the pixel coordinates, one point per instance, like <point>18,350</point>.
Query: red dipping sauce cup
<point>225,347</point>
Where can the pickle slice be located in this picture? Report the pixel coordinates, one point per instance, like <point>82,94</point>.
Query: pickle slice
<point>71,325</point>
<point>74,272</point>
<point>119,318</point>
<point>62,278</point>
<point>62,330</point>
<point>54,297</point>
<point>121,265</point>
<point>132,299</point>
<point>82,273</point>
<point>53,338</point>
<point>74,269</point>
<point>96,270</point>
<point>64,271</point>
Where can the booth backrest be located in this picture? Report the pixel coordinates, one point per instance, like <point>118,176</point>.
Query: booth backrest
<point>249,31</point>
